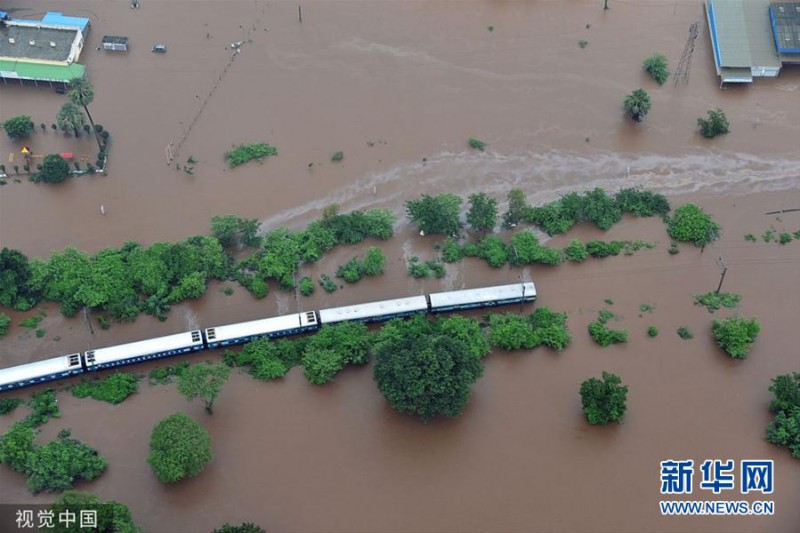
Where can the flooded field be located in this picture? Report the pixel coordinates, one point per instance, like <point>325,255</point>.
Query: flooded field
<point>399,87</point>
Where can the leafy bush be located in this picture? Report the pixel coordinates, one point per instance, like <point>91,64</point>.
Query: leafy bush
<point>262,356</point>
<point>685,333</point>
<point>476,144</point>
<point>246,527</point>
<point>691,224</point>
<point>576,251</point>
<point>44,407</point>
<point>374,261</point>
<point>5,320</point>
<point>436,214</point>
<point>114,389</point>
<point>327,283</point>
<point>784,238</point>
<point>437,269</point>
<point>451,251</point>
<point>235,232</point>
<point>646,308</point>
<point>179,448</point>
<point>17,446</point>
<point>603,249</point>
<point>735,335</point>
<point>9,404</point>
<point>321,366</point>
<point>510,331</point>
<point>352,271</point>
<point>656,66</point>
<point>604,401</point>
<point>750,237</point>
<point>337,156</point>
<point>59,463</point>
<point>715,124</point>
<point>642,203</point>
<point>31,322</point>
<point>517,209</point>
<point>604,336</point>
<point>652,331</point>
<point>244,153</point>
<point>419,270</point>
<point>550,328</point>
<point>18,127</point>
<point>713,301</point>
<point>768,235</point>
<point>492,249</point>
<point>525,249</point>
<point>306,286</point>
<point>164,374</point>
<point>784,429</point>
<point>673,248</point>
<point>637,104</point>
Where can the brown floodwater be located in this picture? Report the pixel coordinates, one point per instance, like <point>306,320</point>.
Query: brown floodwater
<point>399,86</point>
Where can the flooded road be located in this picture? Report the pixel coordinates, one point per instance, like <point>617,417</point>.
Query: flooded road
<point>399,87</point>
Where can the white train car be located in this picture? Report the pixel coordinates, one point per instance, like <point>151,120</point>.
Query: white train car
<point>484,297</point>
<point>134,352</point>
<point>40,371</point>
<point>375,311</point>
<point>280,326</point>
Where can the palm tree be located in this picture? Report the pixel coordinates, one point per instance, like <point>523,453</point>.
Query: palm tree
<point>637,104</point>
<point>70,117</point>
<point>81,92</point>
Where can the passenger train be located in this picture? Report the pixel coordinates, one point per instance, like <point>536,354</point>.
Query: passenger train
<point>242,332</point>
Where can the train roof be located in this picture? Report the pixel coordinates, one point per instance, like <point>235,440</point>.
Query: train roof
<point>146,347</point>
<point>55,365</point>
<point>261,327</point>
<point>484,294</point>
<point>374,309</point>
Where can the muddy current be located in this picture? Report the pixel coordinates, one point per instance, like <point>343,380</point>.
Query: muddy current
<point>399,87</point>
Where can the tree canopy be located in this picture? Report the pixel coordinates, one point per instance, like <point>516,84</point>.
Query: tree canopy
<point>55,169</point>
<point>18,127</point>
<point>423,371</point>
<point>784,429</point>
<point>203,381</point>
<point>179,448</point>
<point>69,117</point>
<point>637,104</point>
<point>482,214</point>
<point>604,401</point>
<point>736,334</point>
<point>691,224</point>
<point>112,516</point>
<point>246,527</point>
<point>436,214</point>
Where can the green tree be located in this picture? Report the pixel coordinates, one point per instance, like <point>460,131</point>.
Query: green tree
<point>235,232</point>
<point>246,527</point>
<point>55,169</point>
<point>656,66</point>
<point>436,214</point>
<point>691,224</point>
<point>5,320</point>
<point>69,117</point>
<point>715,124</point>
<point>203,381</point>
<point>112,516</point>
<point>517,209</point>
<point>422,372</point>
<point>321,366</point>
<point>374,261</point>
<point>482,214</point>
<point>263,357</point>
<point>59,463</point>
<point>576,251</point>
<point>18,127</point>
<point>637,104</point>
<point>604,401</point>
<point>736,334</point>
<point>17,445</point>
<point>179,448</point>
<point>81,93</point>
<point>784,429</point>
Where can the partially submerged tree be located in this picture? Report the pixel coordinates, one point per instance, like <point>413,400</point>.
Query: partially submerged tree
<point>482,214</point>
<point>436,214</point>
<point>18,127</point>
<point>55,169</point>
<point>203,381</point>
<point>637,104</point>
<point>179,448</point>
<point>81,93</point>
<point>69,117</point>
<point>656,66</point>
<point>715,124</point>
<point>604,401</point>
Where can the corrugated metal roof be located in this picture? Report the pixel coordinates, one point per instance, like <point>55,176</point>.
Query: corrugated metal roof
<point>40,72</point>
<point>785,18</point>
<point>743,33</point>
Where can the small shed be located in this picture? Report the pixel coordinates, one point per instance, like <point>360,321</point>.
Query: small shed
<point>115,43</point>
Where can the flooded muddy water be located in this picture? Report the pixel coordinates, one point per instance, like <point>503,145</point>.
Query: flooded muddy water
<point>399,87</point>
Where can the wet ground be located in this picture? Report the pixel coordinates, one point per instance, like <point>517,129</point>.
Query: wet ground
<point>391,84</point>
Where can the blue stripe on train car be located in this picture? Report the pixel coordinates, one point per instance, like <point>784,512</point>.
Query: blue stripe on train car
<point>148,357</point>
<point>39,380</point>
<point>272,335</point>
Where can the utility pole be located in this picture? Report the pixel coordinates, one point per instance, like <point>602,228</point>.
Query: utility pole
<point>300,13</point>
<point>724,268</point>
<point>605,5</point>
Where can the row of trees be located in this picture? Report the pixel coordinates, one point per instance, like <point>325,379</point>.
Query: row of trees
<point>442,213</point>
